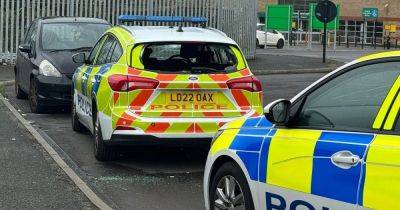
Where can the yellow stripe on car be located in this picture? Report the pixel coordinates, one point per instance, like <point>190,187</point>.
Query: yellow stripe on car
<point>225,139</point>
<point>382,178</point>
<point>380,118</point>
<point>288,150</point>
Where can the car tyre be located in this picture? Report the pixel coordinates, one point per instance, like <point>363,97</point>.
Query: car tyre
<point>77,126</point>
<point>230,173</point>
<point>34,103</point>
<point>259,46</point>
<point>19,93</point>
<point>280,44</point>
<point>102,152</point>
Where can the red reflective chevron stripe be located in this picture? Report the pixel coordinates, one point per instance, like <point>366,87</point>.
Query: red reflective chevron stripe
<point>141,98</point>
<point>171,114</point>
<point>133,71</point>
<point>158,127</point>
<point>219,77</point>
<point>213,114</point>
<point>240,98</point>
<point>190,129</point>
<point>125,120</point>
<point>245,72</point>
<point>166,77</point>
<point>116,96</point>
<point>196,86</point>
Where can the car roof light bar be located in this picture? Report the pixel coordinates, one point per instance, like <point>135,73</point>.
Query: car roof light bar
<point>164,19</point>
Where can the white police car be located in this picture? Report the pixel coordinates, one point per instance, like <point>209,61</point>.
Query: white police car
<point>336,145</point>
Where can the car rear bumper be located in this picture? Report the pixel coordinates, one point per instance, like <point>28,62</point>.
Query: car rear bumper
<point>156,140</point>
<point>54,91</point>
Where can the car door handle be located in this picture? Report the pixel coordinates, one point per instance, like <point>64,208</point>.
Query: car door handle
<point>84,78</point>
<point>93,80</point>
<point>345,159</point>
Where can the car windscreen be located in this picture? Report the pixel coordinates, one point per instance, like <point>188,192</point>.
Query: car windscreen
<point>189,57</point>
<point>70,36</point>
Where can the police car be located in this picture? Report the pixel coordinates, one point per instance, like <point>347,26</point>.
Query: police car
<point>336,145</point>
<point>152,84</point>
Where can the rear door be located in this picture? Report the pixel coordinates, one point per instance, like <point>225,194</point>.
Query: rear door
<point>318,161</point>
<point>381,187</point>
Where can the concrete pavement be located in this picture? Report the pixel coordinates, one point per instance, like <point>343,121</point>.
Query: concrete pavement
<point>29,178</point>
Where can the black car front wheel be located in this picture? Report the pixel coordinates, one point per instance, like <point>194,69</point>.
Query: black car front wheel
<point>229,189</point>
<point>34,103</point>
<point>280,44</point>
<point>102,152</point>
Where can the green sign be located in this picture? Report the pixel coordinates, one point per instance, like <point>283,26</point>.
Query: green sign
<point>316,24</point>
<point>279,17</point>
<point>370,13</point>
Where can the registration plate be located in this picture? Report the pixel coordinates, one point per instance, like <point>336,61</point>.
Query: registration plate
<point>191,97</point>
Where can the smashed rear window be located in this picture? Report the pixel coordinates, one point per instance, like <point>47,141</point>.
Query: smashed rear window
<point>189,57</point>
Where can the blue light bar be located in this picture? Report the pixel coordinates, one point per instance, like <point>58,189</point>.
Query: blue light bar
<point>165,19</point>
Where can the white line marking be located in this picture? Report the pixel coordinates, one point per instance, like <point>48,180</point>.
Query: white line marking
<point>57,158</point>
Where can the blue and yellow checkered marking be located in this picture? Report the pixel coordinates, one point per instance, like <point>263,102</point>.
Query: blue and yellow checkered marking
<point>99,76</point>
<point>300,159</point>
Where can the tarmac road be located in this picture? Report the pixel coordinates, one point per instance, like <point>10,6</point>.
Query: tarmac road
<point>144,178</point>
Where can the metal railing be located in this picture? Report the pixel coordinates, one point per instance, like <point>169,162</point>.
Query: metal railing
<point>237,18</point>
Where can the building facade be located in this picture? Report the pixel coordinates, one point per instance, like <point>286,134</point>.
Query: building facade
<point>352,26</point>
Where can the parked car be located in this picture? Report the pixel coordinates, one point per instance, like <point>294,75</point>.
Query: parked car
<point>273,38</point>
<point>44,66</point>
<point>336,145</point>
<point>161,84</point>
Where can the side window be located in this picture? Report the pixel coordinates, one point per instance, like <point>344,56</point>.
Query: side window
<point>96,49</point>
<point>117,53</point>
<point>350,101</point>
<point>105,50</point>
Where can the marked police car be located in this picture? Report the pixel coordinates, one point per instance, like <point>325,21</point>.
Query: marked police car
<point>153,84</point>
<point>336,145</point>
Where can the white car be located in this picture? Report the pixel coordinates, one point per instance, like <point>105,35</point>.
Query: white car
<point>274,37</point>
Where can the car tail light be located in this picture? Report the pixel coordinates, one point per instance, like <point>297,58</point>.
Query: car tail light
<point>250,83</point>
<point>128,83</point>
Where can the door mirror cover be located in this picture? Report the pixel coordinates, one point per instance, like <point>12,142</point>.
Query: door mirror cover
<point>278,111</point>
<point>26,48</point>
<point>79,58</point>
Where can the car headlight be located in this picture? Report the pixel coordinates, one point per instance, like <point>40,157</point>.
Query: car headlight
<point>47,69</point>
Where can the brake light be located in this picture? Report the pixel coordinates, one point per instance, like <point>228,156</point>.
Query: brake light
<point>128,83</point>
<point>250,83</point>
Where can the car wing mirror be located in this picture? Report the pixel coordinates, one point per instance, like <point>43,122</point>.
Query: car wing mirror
<point>278,111</point>
<point>26,48</point>
<point>79,58</point>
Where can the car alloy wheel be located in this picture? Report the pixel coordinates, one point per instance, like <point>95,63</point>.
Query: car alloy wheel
<point>229,194</point>
<point>102,152</point>
<point>34,104</point>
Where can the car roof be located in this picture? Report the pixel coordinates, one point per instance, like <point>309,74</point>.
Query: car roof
<point>147,34</point>
<point>72,19</point>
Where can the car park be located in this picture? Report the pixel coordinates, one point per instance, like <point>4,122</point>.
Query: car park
<point>44,67</point>
<point>333,146</point>
<point>271,37</point>
<point>161,84</point>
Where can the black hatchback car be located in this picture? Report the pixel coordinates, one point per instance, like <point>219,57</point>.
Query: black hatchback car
<point>44,65</point>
